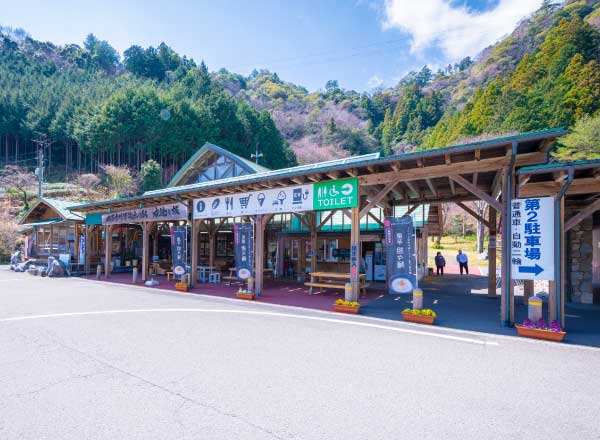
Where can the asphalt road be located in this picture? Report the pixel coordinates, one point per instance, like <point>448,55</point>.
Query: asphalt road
<point>89,360</point>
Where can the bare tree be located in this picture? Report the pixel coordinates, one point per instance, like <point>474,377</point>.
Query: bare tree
<point>16,181</point>
<point>120,181</point>
<point>89,182</point>
<point>444,208</point>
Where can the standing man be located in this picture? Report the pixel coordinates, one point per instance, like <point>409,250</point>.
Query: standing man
<point>463,262</point>
<point>440,262</point>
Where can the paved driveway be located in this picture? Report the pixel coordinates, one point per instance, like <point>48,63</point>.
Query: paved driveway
<point>89,360</point>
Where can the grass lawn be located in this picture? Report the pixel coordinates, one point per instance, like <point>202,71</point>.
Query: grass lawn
<point>450,246</point>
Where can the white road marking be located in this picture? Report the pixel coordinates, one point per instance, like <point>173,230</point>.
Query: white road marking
<point>435,301</point>
<point>257,313</point>
<point>572,316</point>
<point>397,298</point>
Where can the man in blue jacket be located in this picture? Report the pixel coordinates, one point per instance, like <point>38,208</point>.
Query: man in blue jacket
<point>463,262</point>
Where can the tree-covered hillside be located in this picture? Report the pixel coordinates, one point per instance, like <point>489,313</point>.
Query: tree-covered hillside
<point>154,103</point>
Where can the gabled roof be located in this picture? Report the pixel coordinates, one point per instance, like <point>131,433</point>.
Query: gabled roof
<point>559,166</point>
<point>60,207</point>
<point>249,166</point>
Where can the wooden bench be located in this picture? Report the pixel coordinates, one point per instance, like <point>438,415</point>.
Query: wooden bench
<point>311,284</point>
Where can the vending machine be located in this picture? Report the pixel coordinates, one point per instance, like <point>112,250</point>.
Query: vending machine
<point>379,271</point>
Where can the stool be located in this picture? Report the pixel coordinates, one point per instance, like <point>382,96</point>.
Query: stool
<point>169,275</point>
<point>214,277</point>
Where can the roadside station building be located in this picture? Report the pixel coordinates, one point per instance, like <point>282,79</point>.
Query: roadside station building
<point>313,216</point>
<point>50,228</point>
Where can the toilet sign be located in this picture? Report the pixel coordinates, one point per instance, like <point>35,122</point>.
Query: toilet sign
<point>336,194</point>
<point>532,238</point>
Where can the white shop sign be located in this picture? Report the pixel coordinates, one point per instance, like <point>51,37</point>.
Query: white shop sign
<point>269,201</point>
<point>170,212</point>
<point>532,238</point>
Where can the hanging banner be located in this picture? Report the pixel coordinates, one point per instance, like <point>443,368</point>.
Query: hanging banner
<point>400,243</point>
<point>312,197</point>
<point>532,238</point>
<point>171,212</point>
<point>354,265</point>
<point>81,253</point>
<point>243,242</point>
<point>179,249</point>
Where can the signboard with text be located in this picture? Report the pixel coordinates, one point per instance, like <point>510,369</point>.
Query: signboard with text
<point>170,212</point>
<point>243,242</point>
<point>532,238</point>
<point>335,194</point>
<point>179,249</point>
<point>400,244</point>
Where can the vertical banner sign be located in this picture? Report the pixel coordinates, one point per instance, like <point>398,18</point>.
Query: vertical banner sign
<point>400,243</point>
<point>354,262</point>
<point>81,253</point>
<point>243,241</point>
<point>532,240</point>
<point>179,249</point>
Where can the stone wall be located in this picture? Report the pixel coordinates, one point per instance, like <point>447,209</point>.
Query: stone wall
<point>579,262</point>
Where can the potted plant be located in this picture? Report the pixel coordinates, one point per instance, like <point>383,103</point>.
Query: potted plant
<point>541,330</point>
<point>420,316</point>
<point>245,294</point>
<point>182,287</point>
<point>344,306</point>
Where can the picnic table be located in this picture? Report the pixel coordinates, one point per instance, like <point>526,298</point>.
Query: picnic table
<point>327,280</point>
<point>233,270</point>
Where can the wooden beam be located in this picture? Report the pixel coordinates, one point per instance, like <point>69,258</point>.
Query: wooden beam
<point>473,214</point>
<point>478,155</point>
<point>352,172</point>
<point>413,188</point>
<point>370,214</point>
<point>298,179</point>
<point>431,187</point>
<point>377,198</point>
<point>333,175</point>
<point>484,165</point>
<point>452,188</point>
<point>581,215</point>
<point>475,176</point>
<point>476,191</point>
<point>447,159</point>
<point>412,209</point>
<point>588,185</point>
<point>325,220</point>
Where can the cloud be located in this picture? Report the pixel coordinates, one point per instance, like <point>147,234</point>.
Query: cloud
<point>374,82</point>
<point>454,30</point>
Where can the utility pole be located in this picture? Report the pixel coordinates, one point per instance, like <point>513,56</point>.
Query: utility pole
<point>256,155</point>
<point>41,142</point>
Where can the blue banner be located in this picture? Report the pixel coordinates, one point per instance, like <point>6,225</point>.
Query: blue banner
<point>400,243</point>
<point>243,242</point>
<point>179,249</point>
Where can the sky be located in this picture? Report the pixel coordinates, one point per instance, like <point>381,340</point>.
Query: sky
<point>363,44</point>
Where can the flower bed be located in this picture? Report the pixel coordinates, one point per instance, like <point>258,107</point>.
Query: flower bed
<point>245,294</point>
<point>420,316</point>
<point>343,306</point>
<point>541,330</point>
<point>182,287</point>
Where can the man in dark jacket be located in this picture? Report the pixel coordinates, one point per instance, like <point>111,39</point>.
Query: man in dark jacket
<point>440,262</point>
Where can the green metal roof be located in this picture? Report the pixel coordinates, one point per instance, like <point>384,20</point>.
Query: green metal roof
<point>557,166</point>
<point>248,165</point>
<point>339,164</point>
<point>62,207</point>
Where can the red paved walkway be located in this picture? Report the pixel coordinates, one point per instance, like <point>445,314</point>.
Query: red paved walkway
<point>274,291</point>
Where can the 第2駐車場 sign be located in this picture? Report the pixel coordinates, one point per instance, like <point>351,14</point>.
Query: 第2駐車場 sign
<point>335,194</point>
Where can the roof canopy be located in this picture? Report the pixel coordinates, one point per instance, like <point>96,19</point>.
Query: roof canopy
<point>457,173</point>
<point>46,209</point>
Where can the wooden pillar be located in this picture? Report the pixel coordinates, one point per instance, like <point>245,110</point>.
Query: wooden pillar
<point>492,252</point>
<point>212,243</point>
<point>194,244</point>
<point>107,250</point>
<point>507,299</point>
<point>313,242</point>
<point>563,261</point>
<point>145,249</point>
<point>155,241</point>
<point>301,258</point>
<point>259,254</point>
<point>86,261</point>
<point>355,244</point>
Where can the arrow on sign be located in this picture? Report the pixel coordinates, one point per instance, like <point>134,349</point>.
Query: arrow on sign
<point>537,269</point>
